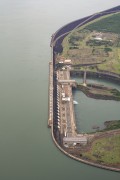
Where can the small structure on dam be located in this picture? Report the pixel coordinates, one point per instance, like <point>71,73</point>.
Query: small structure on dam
<point>73,141</point>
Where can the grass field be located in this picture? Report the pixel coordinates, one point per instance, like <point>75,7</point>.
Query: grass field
<point>82,45</point>
<point>109,24</point>
<point>105,150</point>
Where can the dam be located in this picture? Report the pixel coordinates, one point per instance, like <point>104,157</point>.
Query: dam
<point>64,118</point>
<point>61,107</point>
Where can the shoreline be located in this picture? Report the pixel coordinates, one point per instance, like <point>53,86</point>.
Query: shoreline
<point>80,159</point>
<point>96,92</point>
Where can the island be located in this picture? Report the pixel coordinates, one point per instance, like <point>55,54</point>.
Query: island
<point>86,47</point>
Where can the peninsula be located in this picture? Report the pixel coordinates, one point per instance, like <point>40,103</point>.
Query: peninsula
<point>86,47</point>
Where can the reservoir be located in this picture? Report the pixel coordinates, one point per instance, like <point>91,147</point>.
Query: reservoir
<point>27,151</point>
<point>91,112</point>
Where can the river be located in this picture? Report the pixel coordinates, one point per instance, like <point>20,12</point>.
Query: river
<point>27,151</point>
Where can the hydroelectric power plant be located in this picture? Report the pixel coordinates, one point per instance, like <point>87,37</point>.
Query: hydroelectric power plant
<point>61,103</point>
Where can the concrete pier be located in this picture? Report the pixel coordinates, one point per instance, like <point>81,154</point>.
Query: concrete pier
<point>84,78</point>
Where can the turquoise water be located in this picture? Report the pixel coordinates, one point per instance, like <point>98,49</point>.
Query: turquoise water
<point>27,151</point>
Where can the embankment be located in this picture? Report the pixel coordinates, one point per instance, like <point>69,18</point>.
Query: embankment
<point>80,159</point>
<point>99,92</point>
<point>103,75</point>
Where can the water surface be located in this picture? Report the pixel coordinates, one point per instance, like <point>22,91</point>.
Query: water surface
<point>91,112</point>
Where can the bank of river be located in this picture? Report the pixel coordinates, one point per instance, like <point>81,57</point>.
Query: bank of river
<point>92,112</point>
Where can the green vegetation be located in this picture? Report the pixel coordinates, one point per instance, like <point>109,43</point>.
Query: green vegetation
<point>105,150</point>
<point>115,92</point>
<point>107,49</point>
<point>96,42</point>
<point>108,24</point>
<point>111,125</point>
